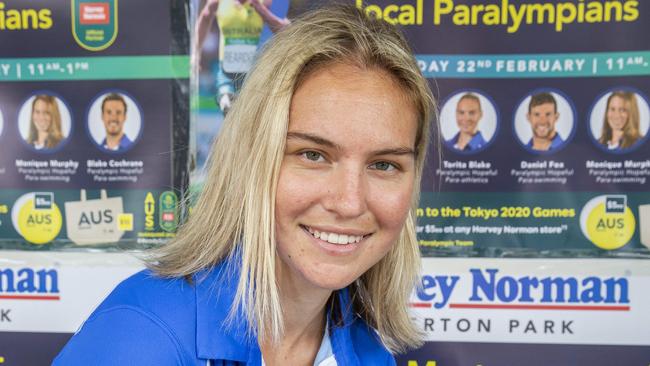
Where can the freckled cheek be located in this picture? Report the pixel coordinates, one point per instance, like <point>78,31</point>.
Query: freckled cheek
<point>391,209</point>
<point>294,195</point>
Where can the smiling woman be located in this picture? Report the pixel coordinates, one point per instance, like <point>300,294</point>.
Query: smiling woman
<point>45,124</point>
<point>301,248</point>
<point>621,122</point>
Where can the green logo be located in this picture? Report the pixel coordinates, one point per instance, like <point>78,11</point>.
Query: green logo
<point>168,204</point>
<point>94,23</point>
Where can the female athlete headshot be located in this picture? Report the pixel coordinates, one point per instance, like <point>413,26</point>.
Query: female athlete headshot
<point>621,122</point>
<point>45,130</point>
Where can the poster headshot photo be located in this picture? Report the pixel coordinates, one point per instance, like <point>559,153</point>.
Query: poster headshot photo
<point>619,120</point>
<point>114,121</point>
<point>469,121</point>
<point>544,121</point>
<point>44,122</point>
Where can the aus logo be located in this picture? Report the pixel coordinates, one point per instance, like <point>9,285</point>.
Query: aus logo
<point>36,217</point>
<point>88,219</point>
<point>607,221</point>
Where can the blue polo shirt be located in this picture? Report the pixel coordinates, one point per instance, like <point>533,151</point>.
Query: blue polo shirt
<point>148,320</point>
<point>124,144</point>
<point>477,142</point>
<point>556,142</point>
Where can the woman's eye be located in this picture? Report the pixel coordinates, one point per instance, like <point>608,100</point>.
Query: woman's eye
<point>383,165</point>
<point>312,155</point>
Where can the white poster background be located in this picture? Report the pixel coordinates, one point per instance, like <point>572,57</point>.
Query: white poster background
<point>594,327</point>
<point>84,280</point>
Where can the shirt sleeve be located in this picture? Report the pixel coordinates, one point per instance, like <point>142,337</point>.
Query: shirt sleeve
<point>122,336</point>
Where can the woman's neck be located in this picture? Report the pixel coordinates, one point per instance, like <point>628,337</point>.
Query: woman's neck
<point>464,139</point>
<point>303,307</point>
<point>42,137</point>
<point>617,136</point>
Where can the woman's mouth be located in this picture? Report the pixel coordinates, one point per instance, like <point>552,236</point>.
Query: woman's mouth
<point>334,238</point>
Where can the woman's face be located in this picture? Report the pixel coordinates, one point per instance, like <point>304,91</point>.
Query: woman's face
<point>617,113</point>
<point>347,176</point>
<point>468,114</point>
<point>41,116</point>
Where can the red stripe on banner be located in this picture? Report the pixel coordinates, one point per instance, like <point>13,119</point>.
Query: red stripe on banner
<point>420,305</point>
<point>539,307</point>
<point>29,297</point>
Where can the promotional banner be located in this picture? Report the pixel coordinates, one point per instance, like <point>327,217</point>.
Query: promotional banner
<point>543,121</point>
<point>93,112</point>
<point>541,152</point>
<point>559,312</point>
<point>544,117</point>
<point>45,297</point>
<point>471,311</point>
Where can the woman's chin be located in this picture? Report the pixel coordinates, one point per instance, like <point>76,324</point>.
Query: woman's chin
<point>333,280</point>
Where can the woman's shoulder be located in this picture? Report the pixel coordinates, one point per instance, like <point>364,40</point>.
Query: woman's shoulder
<point>169,301</point>
<point>145,319</point>
<point>148,291</point>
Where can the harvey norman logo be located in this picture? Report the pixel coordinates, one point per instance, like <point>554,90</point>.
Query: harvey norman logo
<point>29,284</point>
<point>492,290</point>
<point>94,13</point>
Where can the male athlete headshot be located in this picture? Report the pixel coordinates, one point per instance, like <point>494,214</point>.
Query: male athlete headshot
<point>543,116</point>
<point>114,117</point>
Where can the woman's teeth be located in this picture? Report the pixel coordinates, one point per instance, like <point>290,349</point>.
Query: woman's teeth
<point>334,238</point>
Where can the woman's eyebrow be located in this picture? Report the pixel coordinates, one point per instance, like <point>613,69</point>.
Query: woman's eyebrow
<point>313,138</point>
<point>395,151</point>
<point>325,142</point>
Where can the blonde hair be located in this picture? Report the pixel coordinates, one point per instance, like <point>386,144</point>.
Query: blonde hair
<point>631,133</point>
<point>234,214</point>
<point>54,134</point>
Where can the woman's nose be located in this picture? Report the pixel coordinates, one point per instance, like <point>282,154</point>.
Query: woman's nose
<point>346,193</point>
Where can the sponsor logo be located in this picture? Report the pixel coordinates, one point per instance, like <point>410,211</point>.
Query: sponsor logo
<point>94,13</point>
<point>94,23</point>
<point>168,203</point>
<point>491,290</point>
<point>29,284</point>
<point>36,217</point>
<point>87,219</point>
<point>149,211</point>
<point>607,221</point>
